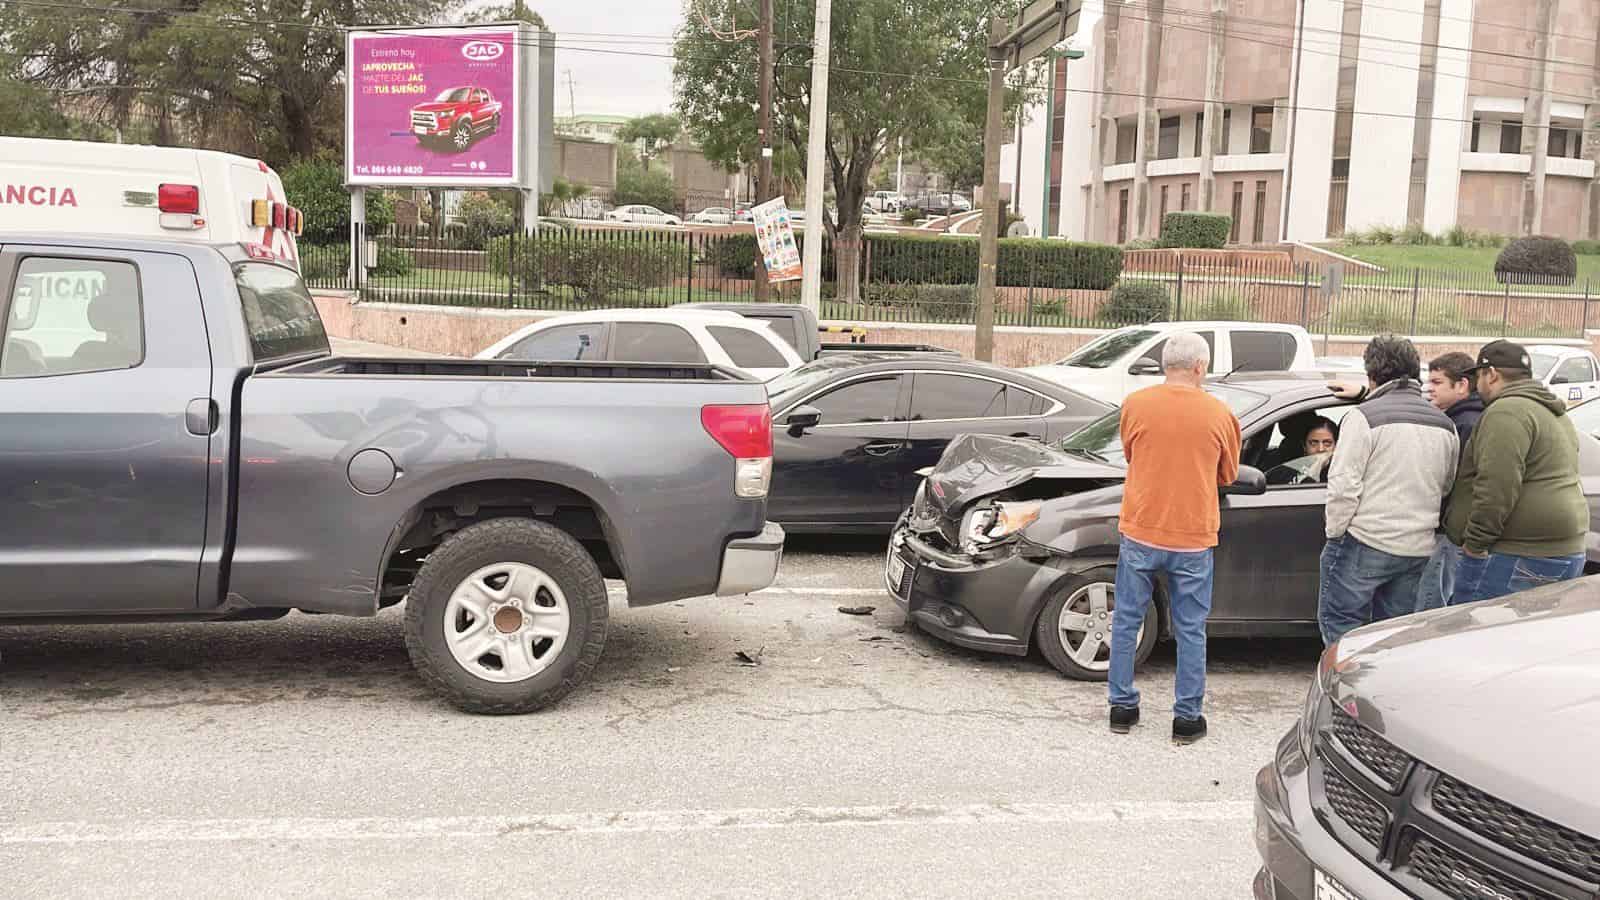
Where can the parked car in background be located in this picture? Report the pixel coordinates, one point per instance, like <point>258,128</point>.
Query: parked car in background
<point>934,204</point>
<point>1586,417</point>
<point>639,214</point>
<point>1571,373</point>
<point>1011,544</point>
<point>743,214</point>
<point>456,118</point>
<point>713,215</point>
<point>884,202</point>
<point>180,445</point>
<point>1115,365</point>
<point>1444,754</point>
<point>678,336</point>
<point>798,327</point>
<point>852,430</point>
<point>960,203</point>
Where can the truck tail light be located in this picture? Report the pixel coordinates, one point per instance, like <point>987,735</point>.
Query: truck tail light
<point>746,433</point>
<point>178,198</point>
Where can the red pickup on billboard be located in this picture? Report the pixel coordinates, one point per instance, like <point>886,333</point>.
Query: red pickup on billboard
<point>456,118</point>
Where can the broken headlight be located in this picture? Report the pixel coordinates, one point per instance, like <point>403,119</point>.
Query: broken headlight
<point>993,524</point>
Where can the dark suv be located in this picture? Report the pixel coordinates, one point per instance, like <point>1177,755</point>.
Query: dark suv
<point>1448,754</point>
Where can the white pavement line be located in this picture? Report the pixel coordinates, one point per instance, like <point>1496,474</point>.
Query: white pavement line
<point>797,591</point>
<point>131,831</point>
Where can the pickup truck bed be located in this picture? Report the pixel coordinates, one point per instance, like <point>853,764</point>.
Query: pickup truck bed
<point>180,444</point>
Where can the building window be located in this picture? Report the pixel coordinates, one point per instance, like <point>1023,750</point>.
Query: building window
<point>1341,168</point>
<point>1238,210</point>
<point>1510,137</point>
<point>1183,197</point>
<point>1260,129</point>
<point>1167,138</point>
<point>1163,209</point>
<point>1122,216</point>
<point>1477,126</point>
<point>1261,211</point>
<point>1127,137</point>
<point>1227,131</point>
<point>1565,142</point>
<point>1199,133</point>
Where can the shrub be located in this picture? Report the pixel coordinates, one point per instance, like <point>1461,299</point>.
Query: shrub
<point>652,187</point>
<point>325,266</point>
<point>910,216</point>
<point>926,302</point>
<point>481,218</point>
<point>1415,235</point>
<point>1039,262</point>
<point>316,188</point>
<point>734,255</point>
<point>1379,234</point>
<point>1142,244</point>
<point>393,262</point>
<point>1536,260</point>
<point>1137,302</point>
<point>594,267</point>
<point>1586,248</point>
<point>1205,231</point>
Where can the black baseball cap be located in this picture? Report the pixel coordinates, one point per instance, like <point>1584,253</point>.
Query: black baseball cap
<point>1503,355</point>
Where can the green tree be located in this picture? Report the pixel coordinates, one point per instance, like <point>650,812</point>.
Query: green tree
<point>911,71</point>
<point>562,193</point>
<point>470,12</point>
<point>650,133</point>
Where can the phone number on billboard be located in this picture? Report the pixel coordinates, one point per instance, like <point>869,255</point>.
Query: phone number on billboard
<point>388,170</point>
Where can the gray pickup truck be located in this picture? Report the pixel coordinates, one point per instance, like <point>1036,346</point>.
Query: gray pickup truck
<point>178,443</point>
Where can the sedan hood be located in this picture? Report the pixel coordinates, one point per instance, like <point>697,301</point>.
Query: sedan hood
<point>437,107</point>
<point>1503,695</point>
<point>975,466</point>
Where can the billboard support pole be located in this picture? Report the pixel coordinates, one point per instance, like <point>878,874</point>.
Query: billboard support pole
<point>358,229</point>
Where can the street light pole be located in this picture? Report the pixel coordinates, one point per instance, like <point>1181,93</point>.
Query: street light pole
<point>811,270</point>
<point>764,189</point>
<point>989,241</point>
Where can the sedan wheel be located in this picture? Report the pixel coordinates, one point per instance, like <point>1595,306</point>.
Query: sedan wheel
<point>1074,629</point>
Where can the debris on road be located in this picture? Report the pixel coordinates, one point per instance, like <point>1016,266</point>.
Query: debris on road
<point>749,659</point>
<point>875,637</point>
<point>857,610</point>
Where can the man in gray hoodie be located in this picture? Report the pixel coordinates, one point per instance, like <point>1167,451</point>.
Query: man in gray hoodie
<point>1395,461</point>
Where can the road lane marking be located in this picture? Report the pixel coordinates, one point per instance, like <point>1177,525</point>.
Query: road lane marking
<point>135,831</point>
<point>618,590</point>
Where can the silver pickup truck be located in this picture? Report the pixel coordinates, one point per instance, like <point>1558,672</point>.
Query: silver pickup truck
<point>177,442</point>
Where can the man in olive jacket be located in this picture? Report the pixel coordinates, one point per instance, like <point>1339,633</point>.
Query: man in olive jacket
<point>1517,509</point>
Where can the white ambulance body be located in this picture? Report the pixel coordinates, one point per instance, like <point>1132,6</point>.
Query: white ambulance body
<point>84,187</point>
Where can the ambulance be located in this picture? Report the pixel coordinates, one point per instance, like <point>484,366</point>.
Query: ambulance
<point>84,187</point>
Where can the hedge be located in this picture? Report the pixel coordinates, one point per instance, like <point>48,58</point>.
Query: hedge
<point>1137,302</point>
<point>1536,260</point>
<point>943,260</point>
<point>1204,231</point>
<point>593,266</point>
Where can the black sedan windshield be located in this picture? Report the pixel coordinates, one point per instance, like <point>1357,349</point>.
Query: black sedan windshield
<point>1102,438</point>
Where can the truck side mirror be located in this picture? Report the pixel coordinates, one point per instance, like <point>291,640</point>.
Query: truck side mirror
<point>1145,366</point>
<point>802,417</point>
<point>1250,482</point>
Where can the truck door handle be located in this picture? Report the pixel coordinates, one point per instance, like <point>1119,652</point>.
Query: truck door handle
<point>1024,434</point>
<point>882,448</point>
<point>201,417</point>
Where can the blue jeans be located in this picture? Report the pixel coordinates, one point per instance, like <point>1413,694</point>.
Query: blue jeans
<point>1189,602</point>
<point>1439,576</point>
<point>1500,574</point>
<point>1362,584</point>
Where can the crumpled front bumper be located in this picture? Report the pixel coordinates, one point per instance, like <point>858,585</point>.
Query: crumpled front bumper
<point>750,564</point>
<point>978,604</point>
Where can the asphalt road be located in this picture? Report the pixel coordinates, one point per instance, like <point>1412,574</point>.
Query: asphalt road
<point>303,758</point>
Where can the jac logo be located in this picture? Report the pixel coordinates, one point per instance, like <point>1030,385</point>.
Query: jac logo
<point>482,51</point>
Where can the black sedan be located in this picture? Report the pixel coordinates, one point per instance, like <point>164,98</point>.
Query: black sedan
<point>1011,543</point>
<point>851,430</point>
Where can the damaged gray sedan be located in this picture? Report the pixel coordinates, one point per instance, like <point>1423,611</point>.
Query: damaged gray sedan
<point>1012,543</point>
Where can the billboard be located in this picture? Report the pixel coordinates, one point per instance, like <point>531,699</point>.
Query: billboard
<point>437,106</point>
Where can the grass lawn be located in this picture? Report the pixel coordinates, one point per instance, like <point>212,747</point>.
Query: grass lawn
<point>464,288</point>
<point>1471,264</point>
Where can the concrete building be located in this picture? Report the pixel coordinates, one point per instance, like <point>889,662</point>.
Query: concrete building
<point>1306,118</point>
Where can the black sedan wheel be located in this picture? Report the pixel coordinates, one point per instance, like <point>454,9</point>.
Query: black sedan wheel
<point>1074,629</point>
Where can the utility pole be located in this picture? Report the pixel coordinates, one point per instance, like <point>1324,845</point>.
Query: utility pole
<point>764,187</point>
<point>811,271</point>
<point>989,241</point>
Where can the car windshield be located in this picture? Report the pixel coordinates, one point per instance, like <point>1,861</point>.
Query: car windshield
<point>1102,439</point>
<point>1586,417</point>
<point>454,95</point>
<point>1102,352</point>
<point>1542,363</point>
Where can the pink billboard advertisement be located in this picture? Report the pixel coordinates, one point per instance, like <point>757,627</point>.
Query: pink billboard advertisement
<point>433,107</point>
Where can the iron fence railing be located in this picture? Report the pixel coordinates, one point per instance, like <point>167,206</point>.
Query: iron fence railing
<point>916,280</point>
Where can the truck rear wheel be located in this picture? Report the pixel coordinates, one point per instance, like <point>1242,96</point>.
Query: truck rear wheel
<point>506,616</point>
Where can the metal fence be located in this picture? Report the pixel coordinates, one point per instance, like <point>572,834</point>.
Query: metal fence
<point>933,280</point>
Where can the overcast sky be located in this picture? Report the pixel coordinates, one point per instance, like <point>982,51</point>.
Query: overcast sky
<point>623,80</point>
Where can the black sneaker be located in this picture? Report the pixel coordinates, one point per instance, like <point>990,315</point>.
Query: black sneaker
<point>1187,731</point>
<point>1123,718</point>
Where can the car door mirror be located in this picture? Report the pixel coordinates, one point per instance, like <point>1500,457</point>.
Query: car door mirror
<point>802,417</point>
<point>1145,366</point>
<point>1250,481</point>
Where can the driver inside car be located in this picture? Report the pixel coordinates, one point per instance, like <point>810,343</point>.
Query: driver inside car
<point>1315,437</point>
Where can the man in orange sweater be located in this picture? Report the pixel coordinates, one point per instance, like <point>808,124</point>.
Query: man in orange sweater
<point>1182,447</point>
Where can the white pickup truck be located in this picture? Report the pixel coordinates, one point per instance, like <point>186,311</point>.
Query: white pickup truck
<point>1115,365</point>
<point>1571,373</point>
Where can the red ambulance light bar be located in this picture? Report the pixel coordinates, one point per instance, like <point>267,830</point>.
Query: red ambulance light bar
<point>271,214</point>
<point>178,198</point>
